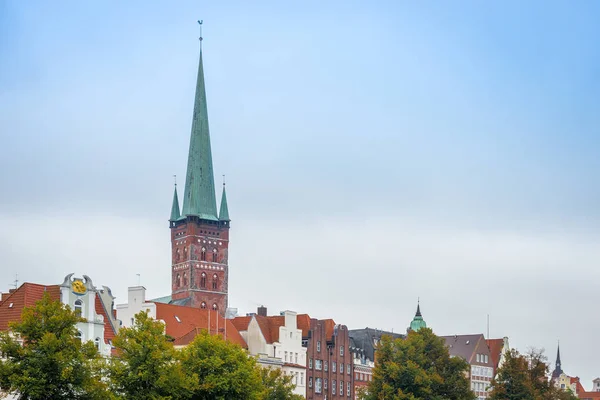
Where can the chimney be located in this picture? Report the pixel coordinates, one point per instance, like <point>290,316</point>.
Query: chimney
<point>262,311</point>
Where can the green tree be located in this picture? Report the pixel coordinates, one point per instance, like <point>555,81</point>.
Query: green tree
<point>418,368</point>
<point>146,365</point>
<point>46,360</point>
<point>221,370</point>
<point>525,377</point>
<point>277,385</point>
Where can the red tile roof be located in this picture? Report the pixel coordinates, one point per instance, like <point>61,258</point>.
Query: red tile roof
<point>184,323</point>
<point>25,296</point>
<point>495,346</point>
<point>269,326</point>
<point>109,332</point>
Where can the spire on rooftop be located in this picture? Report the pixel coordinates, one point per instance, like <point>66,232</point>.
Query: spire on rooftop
<point>199,196</point>
<point>418,322</point>
<point>224,211</point>
<point>557,367</point>
<point>175,214</point>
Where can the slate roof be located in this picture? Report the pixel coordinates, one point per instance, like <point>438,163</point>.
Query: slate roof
<point>463,345</point>
<point>184,323</point>
<point>364,339</point>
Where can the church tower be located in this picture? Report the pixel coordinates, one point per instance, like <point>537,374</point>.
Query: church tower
<point>200,236</point>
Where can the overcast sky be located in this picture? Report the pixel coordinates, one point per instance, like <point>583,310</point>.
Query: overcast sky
<point>375,152</point>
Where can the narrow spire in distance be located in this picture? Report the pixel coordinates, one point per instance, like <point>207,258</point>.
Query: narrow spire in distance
<point>175,214</point>
<point>224,211</point>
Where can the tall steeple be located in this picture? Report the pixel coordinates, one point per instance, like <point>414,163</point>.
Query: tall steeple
<point>418,322</point>
<point>199,197</point>
<point>557,367</point>
<point>175,214</point>
<point>224,211</point>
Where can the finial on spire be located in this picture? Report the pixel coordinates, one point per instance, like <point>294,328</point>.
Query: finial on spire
<point>175,180</point>
<point>200,23</point>
<point>223,180</point>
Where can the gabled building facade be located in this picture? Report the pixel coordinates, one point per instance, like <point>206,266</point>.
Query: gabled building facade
<point>498,349</point>
<point>200,236</point>
<point>474,350</point>
<point>277,342</point>
<point>95,305</point>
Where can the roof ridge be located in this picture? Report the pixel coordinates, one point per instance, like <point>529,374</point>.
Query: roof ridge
<point>108,315</point>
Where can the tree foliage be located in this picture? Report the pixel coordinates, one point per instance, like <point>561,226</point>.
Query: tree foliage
<point>277,385</point>
<point>221,370</point>
<point>525,377</point>
<point>418,368</point>
<point>146,364</point>
<point>46,359</point>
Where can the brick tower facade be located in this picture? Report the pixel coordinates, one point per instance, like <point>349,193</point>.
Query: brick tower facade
<point>200,236</point>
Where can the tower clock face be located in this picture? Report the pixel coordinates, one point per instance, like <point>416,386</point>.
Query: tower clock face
<point>78,288</point>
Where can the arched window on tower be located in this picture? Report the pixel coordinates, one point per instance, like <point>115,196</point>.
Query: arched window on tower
<point>203,305</point>
<point>215,255</point>
<point>78,307</point>
<point>203,280</point>
<point>215,282</point>
<point>214,306</point>
<point>184,279</point>
<point>203,254</point>
<point>178,280</point>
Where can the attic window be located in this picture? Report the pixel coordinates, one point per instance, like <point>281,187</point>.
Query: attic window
<point>467,342</point>
<point>177,318</point>
<point>10,305</point>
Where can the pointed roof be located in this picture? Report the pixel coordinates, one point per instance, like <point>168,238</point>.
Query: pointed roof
<point>418,322</point>
<point>557,368</point>
<point>199,196</point>
<point>224,211</point>
<point>175,214</point>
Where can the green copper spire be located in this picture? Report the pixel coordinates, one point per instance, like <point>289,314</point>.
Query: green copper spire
<point>224,211</point>
<point>175,214</point>
<point>199,196</point>
<point>418,322</point>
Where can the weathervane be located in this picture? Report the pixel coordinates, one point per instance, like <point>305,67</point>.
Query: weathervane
<point>200,23</point>
<point>223,179</point>
<point>175,179</point>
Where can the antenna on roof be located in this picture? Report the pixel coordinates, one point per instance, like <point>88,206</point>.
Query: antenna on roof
<point>16,281</point>
<point>139,278</point>
<point>488,326</point>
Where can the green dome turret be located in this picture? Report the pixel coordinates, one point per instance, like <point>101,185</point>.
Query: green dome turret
<point>418,322</point>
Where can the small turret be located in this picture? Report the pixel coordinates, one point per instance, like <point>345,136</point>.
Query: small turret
<point>224,211</point>
<point>175,214</point>
<point>418,322</point>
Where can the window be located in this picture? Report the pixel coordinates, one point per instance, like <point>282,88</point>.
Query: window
<point>78,307</point>
<point>356,376</point>
<point>214,307</point>
<point>348,368</point>
<point>296,357</point>
<point>78,336</point>
<point>215,281</point>
<point>319,346</point>
<point>203,305</point>
<point>333,365</point>
<point>341,350</point>
<point>318,365</point>
<point>326,366</point>
<point>203,280</point>
<point>325,384</point>
<point>184,279</point>
<point>286,356</point>
<point>203,254</point>
<point>478,360</point>
<point>215,255</point>
<point>348,389</point>
<point>318,383</point>
<point>333,386</point>
<point>341,388</point>
<point>486,358</point>
<point>310,363</point>
<point>341,369</point>
<point>302,378</point>
<point>97,343</point>
<point>310,381</point>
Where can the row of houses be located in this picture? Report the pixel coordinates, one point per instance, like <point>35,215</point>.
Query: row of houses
<point>325,359</point>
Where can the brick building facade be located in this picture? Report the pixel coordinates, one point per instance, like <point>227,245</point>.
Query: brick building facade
<point>330,369</point>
